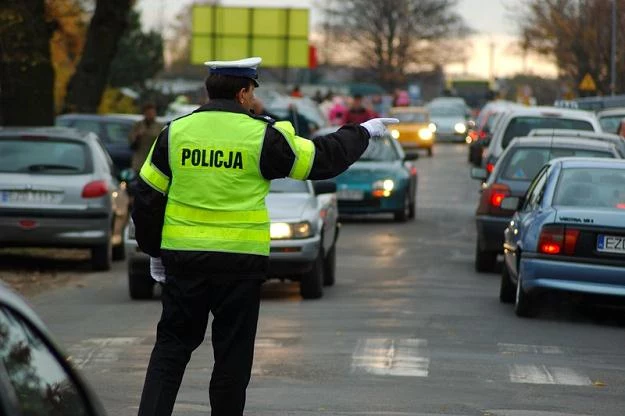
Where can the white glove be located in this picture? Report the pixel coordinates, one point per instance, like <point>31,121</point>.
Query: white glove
<point>157,270</point>
<point>377,126</point>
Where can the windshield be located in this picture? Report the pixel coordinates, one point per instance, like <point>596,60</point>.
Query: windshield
<point>610,124</point>
<point>447,111</point>
<point>524,163</point>
<point>117,132</point>
<point>43,155</point>
<point>521,126</point>
<point>591,187</point>
<point>408,117</point>
<point>380,149</point>
<point>289,186</point>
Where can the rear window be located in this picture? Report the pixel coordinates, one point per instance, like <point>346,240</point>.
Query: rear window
<point>524,163</point>
<point>610,124</point>
<point>380,149</point>
<point>521,126</point>
<point>44,156</point>
<point>591,187</point>
<point>406,117</point>
<point>117,132</point>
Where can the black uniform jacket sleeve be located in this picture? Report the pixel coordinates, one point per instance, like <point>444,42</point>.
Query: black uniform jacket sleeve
<point>334,153</point>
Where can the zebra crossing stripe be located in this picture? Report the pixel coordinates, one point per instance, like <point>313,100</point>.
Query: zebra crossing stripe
<point>405,357</point>
<point>541,374</point>
<point>529,349</point>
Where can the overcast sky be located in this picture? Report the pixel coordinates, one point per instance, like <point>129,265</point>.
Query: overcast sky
<point>492,20</point>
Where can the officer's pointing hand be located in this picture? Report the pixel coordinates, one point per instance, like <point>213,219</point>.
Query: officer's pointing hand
<point>377,126</point>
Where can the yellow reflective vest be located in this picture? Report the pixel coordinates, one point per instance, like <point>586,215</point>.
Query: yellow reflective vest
<point>216,193</point>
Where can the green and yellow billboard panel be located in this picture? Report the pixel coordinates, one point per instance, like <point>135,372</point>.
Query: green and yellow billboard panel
<point>279,36</point>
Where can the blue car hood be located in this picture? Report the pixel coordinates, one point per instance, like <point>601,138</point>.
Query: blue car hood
<point>369,172</point>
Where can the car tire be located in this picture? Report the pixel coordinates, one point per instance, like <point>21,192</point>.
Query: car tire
<point>311,284</point>
<point>484,260</point>
<point>102,257</point>
<point>524,305</point>
<point>140,284</point>
<point>430,152</point>
<point>403,214</point>
<point>412,210</point>
<point>506,288</point>
<point>329,267</point>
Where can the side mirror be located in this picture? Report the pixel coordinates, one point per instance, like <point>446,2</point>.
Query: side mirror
<point>324,187</point>
<point>127,175</point>
<point>511,203</point>
<point>479,173</point>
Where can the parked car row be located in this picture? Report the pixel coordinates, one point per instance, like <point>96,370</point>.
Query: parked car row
<point>552,203</point>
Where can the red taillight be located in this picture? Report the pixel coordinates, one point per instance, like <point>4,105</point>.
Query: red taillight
<point>28,224</point>
<point>490,167</point>
<point>95,189</point>
<point>482,134</point>
<point>473,135</point>
<point>496,198</point>
<point>413,171</point>
<point>556,239</point>
<point>490,202</point>
<point>621,205</point>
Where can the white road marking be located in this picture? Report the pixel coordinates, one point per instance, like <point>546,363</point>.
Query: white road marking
<point>541,374</point>
<point>100,350</point>
<point>405,357</point>
<point>531,349</point>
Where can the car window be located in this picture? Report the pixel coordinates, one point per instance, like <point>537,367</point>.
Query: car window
<point>42,385</point>
<point>63,122</point>
<point>408,117</point>
<point>610,124</point>
<point>536,190</point>
<point>447,111</point>
<point>525,162</point>
<point>117,132</point>
<point>591,187</point>
<point>88,125</point>
<point>43,155</point>
<point>288,185</point>
<point>521,126</point>
<point>380,149</point>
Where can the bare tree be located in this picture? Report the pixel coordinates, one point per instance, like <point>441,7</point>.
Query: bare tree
<point>26,74</point>
<point>89,81</point>
<point>392,35</point>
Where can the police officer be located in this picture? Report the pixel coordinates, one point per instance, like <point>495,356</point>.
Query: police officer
<point>200,208</point>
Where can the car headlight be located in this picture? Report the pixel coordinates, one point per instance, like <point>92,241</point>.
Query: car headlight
<point>395,134</point>
<point>383,188</point>
<point>432,127</point>
<point>285,231</point>
<point>425,134</point>
<point>460,128</point>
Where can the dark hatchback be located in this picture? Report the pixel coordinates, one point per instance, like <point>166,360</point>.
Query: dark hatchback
<point>511,177</point>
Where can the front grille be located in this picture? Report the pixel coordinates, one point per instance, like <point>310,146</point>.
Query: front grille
<point>367,203</point>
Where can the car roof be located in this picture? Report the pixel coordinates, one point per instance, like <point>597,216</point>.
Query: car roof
<point>611,112</point>
<point>571,142</point>
<point>589,162</point>
<point>53,131</point>
<point>551,112</point>
<point>411,109</point>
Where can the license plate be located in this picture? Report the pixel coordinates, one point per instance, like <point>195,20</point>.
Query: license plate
<point>350,195</point>
<point>30,197</point>
<point>611,244</point>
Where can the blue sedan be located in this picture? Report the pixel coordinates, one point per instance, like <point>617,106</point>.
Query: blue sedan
<point>568,233</point>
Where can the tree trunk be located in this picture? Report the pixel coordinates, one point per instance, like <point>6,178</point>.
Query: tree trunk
<point>26,73</point>
<point>86,87</point>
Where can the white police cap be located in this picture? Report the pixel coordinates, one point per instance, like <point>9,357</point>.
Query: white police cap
<point>246,68</point>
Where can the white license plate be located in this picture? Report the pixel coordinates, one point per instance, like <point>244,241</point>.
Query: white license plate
<point>30,197</point>
<point>350,195</point>
<point>611,244</point>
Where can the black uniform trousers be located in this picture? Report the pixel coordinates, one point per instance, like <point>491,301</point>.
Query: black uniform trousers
<point>181,329</point>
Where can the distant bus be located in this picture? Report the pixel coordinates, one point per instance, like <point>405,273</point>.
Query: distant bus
<point>476,92</point>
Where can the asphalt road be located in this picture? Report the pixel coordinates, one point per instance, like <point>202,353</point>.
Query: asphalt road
<point>409,329</point>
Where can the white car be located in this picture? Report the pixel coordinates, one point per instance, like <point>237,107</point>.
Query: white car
<point>304,230</point>
<point>518,122</point>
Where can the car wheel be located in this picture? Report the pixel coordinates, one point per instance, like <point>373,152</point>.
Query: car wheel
<point>506,288</point>
<point>102,257</point>
<point>524,305</point>
<point>404,213</point>
<point>430,152</point>
<point>119,251</point>
<point>329,267</point>
<point>140,284</point>
<point>311,285</point>
<point>412,209</point>
<point>484,260</point>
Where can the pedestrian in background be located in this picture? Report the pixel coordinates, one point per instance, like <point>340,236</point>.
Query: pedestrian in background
<point>357,112</point>
<point>200,212</point>
<point>143,134</point>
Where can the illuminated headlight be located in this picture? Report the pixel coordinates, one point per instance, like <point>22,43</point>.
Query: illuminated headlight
<point>426,134</point>
<point>432,127</point>
<point>460,128</point>
<point>285,231</point>
<point>385,185</point>
<point>395,134</point>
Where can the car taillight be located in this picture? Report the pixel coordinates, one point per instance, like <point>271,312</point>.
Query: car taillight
<point>95,189</point>
<point>557,239</point>
<point>620,205</point>
<point>473,135</point>
<point>490,167</point>
<point>482,134</point>
<point>490,201</point>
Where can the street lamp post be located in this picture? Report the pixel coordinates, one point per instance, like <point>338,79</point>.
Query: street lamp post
<point>613,57</point>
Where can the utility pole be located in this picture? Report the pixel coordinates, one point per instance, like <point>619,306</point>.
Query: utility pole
<point>613,59</point>
<point>491,62</point>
